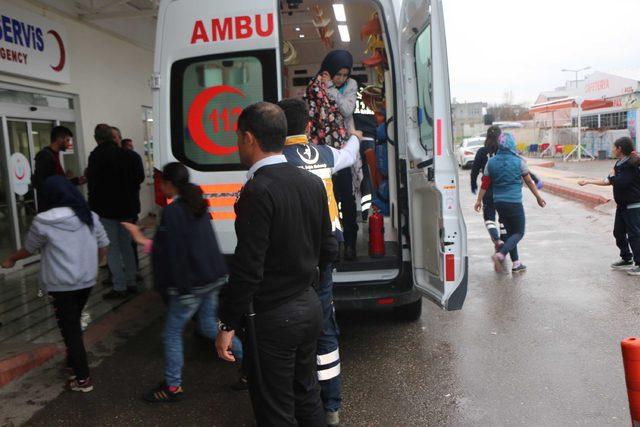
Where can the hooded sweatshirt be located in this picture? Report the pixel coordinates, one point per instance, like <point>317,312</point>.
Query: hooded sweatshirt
<point>69,249</point>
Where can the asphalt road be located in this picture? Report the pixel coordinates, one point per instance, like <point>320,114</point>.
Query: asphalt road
<point>538,349</point>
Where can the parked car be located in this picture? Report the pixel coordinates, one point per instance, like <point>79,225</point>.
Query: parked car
<point>467,150</point>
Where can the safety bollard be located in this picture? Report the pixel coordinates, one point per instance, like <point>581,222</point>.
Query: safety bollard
<point>631,361</point>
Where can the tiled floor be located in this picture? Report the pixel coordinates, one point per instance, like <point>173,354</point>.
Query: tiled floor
<point>26,317</point>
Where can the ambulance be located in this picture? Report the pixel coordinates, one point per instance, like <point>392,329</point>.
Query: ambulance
<point>215,57</point>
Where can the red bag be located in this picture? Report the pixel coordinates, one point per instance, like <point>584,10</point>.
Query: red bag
<point>327,124</point>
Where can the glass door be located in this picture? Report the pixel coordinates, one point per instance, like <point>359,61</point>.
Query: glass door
<point>71,158</point>
<point>28,138</point>
<point>7,241</point>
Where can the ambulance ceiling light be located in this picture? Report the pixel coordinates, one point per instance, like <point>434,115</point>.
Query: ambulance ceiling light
<point>301,36</point>
<point>297,28</point>
<point>338,11</point>
<point>344,33</point>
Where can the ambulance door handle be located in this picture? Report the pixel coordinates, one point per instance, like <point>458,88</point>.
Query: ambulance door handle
<point>386,129</point>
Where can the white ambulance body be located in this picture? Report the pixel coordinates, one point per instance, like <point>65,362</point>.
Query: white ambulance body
<point>213,58</point>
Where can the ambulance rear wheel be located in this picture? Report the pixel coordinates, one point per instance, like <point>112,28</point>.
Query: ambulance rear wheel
<point>409,312</point>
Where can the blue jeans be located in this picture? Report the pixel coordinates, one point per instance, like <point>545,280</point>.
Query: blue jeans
<point>180,310</point>
<point>122,262</point>
<point>328,356</point>
<point>512,216</point>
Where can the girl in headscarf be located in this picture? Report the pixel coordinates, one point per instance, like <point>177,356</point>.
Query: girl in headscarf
<point>332,97</point>
<point>70,239</point>
<point>504,173</point>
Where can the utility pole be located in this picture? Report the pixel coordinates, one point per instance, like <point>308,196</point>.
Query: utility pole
<point>567,70</point>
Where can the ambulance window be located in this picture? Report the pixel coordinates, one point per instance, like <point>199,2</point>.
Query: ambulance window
<point>424,72</point>
<point>207,96</point>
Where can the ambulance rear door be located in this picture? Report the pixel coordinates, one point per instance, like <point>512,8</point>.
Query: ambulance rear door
<point>213,58</point>
<point>437,231</point>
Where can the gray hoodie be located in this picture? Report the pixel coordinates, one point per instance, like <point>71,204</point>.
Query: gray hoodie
<point>69,249</point>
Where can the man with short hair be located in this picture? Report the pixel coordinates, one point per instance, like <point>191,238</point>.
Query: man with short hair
<point>323,161</point>
<point>284,235</point>
<point>111,179</point>
<point>47,161</point>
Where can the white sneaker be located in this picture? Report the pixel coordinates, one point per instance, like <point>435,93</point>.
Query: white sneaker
<point>634,271</point>
<point>333,419</point>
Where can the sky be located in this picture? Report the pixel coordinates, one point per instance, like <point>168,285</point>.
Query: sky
<point>521,46</point>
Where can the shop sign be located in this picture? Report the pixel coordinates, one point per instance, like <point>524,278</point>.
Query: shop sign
<point>32,45</point>
<point>20,173</point>
<point>603,86</point>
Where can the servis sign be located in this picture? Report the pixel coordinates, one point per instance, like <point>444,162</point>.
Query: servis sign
<point>32,45</point>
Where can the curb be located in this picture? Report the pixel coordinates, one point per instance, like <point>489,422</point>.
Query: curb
<point>570,193</point>
<point>545,165</point>
<point>30,356</point>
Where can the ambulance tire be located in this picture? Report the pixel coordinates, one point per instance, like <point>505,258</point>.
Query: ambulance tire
<point>409,312</point>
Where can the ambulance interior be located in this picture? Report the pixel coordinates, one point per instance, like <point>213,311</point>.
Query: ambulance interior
<point>310,30</point>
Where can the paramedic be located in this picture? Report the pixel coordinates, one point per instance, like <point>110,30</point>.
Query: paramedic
<point>284,236</point>
<point>322,161</point>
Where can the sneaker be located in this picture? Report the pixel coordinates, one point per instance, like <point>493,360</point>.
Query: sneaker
<point>113,294</point>
<point>241,384</point>
<point>84,386</point>
<point>622,265</point>
<point>521,268</point>
<point>333,419</point>
<point>164,393</point>
<point>498,259</point>
<point>634,271</point>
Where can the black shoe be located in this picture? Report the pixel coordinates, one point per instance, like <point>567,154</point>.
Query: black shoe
<point>132,290</point>
<point>623,264</point>
<point>241,385</point>
<point>350,253</point>
<point>113,294</point>
<point>163,393</point>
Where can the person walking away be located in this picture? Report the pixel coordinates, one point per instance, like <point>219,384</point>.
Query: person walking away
<point>111,181</point>
<point>127,144</point>
<point>47,162</point>
<point>341,93</point>
<point>189,270</point>
<point>483,155</point>
<point>625,179</point>
<point>323,161</point>
<point>70,239</point>
<point>284,237</point>
<point>505,173</point>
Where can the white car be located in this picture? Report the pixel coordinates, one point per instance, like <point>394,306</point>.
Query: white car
<point>467,150</point>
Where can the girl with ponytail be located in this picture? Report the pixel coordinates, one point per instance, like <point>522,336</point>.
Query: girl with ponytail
<point>189,271</point>
<point>625,179</point>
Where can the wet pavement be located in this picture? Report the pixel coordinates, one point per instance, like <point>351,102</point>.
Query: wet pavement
<point>541,348</point>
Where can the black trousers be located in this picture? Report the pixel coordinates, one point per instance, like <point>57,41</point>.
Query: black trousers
<point>343,192</point>
<point>289,393</point>
<point>626,230</point>
<point>68,308</point>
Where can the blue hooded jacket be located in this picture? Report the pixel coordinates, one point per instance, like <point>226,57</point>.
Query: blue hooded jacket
<point>506,170</point>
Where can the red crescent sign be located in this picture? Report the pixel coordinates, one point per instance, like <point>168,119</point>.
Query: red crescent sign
<point>196,113</point>
<point>24,172</point>
<point>63,55</point>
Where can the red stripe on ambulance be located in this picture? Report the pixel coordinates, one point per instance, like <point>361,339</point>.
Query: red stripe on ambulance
<point>230,28</point>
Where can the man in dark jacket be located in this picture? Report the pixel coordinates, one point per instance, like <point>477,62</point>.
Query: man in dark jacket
<point>284,236</point>
<point>138,170</point>
<point>48,161</point>
<point>112,183</point>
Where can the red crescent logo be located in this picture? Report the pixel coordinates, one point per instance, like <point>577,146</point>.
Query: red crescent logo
<point>24,172</point>
<point>194,120</point>
<point>63,55</point>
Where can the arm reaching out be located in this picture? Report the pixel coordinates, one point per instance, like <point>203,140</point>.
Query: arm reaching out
<point>534,190</point>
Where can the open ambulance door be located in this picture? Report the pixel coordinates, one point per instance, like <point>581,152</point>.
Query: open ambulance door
<point>213,58</point>
<point>437,231</point>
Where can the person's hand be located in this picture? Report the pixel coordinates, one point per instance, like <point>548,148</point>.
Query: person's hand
<point>8,263</point>
<point>541,202</point>
<point>224,343</point>
<point>357,134</point>
<point>613,172</point>
<point>582,182</point>
<point>133,229</point>
<point>478,206</point>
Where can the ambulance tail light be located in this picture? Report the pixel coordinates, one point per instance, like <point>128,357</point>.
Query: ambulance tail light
<point>161,200</point>
<point>450,267</point>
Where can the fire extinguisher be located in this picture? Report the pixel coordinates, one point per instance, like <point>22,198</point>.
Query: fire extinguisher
<point>376,235</point>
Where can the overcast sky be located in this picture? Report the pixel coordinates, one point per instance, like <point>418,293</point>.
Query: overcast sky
<point>496,46</point>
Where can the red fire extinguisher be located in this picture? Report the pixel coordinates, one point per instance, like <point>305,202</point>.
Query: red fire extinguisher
<point>376,235</point>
